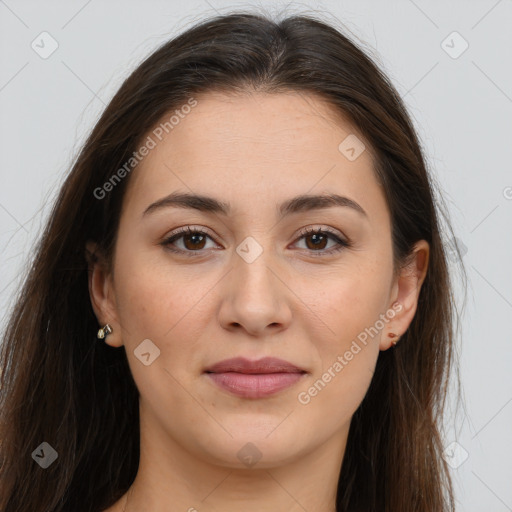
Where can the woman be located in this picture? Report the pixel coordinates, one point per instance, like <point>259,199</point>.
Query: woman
<point>253,221</point>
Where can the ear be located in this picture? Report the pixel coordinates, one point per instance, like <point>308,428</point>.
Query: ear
<point>101,292</point>
<point>405,292</point>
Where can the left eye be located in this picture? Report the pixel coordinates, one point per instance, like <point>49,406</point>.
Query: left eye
<point>320,237</point>
<point>194,240</point>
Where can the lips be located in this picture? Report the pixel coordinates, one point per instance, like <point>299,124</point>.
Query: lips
<point>254,379</point>
<point>265,365</point>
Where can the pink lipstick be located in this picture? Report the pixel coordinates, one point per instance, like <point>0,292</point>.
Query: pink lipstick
<point>254,379</point>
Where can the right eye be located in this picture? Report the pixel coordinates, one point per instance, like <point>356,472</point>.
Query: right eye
<point>193,240</point>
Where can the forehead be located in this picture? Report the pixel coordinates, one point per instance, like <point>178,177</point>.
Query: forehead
<point>272,124</point>
<point>254,146</point>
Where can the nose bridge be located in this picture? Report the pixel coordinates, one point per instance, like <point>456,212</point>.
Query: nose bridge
<point>253,267</point>
<point>256,296</point>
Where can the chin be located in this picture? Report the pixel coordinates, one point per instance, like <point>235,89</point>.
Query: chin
<point>254,446</point>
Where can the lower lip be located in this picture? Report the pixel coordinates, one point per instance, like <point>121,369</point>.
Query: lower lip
<point>254,385</point>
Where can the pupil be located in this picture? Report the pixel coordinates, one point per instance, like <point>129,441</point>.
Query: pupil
<point>317,239</point>
<point>194,239</point>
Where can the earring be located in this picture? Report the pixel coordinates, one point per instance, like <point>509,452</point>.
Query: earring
<point>393,335</point>
<point>104,331</point>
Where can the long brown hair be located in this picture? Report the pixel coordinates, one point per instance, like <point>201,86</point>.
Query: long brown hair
<point>61,386</point>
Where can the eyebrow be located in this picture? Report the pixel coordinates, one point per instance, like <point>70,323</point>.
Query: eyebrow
<point>301,203</point>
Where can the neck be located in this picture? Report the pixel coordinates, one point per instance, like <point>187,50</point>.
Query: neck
<point>171,476</point>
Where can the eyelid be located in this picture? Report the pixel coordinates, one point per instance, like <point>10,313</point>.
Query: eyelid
<point>326,229</point>
<point>303,231</point>
<point>185,230</point>
<point>341,240</point>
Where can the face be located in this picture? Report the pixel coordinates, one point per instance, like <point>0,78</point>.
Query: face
<point>309,282</point>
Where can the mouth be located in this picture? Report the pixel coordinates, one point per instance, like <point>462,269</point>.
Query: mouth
<point>254,379</point>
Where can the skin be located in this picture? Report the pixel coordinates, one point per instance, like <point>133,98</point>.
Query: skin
<point>254,152</point>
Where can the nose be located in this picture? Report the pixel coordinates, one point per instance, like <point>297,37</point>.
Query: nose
<point>255,297</point>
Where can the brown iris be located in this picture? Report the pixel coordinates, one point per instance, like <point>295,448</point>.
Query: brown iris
<point>196,243</point>
<point>319,240</point>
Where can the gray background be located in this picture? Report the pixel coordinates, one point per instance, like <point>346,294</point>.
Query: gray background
<point>462,108</point>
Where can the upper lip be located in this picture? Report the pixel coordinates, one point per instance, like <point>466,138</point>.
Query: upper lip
<point>265,365</point>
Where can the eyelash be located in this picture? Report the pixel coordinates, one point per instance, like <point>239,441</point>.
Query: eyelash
<point>342,244</point>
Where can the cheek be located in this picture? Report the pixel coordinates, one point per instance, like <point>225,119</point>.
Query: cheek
<point>345,304</point>
<point>348,347</point>
<point>160,302</point>
<point>149,294</point>
<point>352,306</point>
<point>341,387</point>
